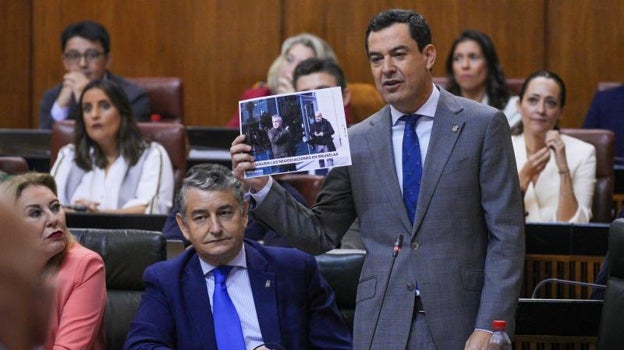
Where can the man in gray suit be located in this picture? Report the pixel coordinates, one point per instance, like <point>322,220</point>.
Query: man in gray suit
<point>464,255</point>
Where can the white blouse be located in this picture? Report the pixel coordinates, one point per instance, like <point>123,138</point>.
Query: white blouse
<point>155,186</point>
<point>542,198</point>
<point>510,110</point>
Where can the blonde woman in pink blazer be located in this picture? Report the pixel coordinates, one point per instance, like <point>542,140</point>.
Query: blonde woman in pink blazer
<point>79,301</point>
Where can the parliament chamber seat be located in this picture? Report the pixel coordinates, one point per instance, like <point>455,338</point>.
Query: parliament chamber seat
<point>365,100</point>
<point>13,165</point>
<point>172,136</point>
<point>341,269</point>
<point>612,320</point>
<point>604,142</point>
<point>126,255</point>
<point>166,96</point>
<point>306,184</point>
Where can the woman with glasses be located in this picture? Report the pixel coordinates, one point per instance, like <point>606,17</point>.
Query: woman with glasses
<point>86,57</point>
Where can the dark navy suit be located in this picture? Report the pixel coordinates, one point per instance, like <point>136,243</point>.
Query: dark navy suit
<point>607,112</point>
<point>295,306</point>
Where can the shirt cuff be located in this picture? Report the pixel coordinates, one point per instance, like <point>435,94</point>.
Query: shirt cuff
<point>58,112</point>
<point>259,196</point>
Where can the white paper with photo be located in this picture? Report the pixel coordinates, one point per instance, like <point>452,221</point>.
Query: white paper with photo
<point>311,135</point>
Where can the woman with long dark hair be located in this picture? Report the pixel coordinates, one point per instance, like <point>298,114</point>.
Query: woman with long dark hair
<point>474,72</point>
<point>109,167</point>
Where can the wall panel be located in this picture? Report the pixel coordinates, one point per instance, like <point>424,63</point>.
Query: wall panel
<point>15,75</point>
<point>585,45</point>
<point>217,47</point>
<point>221,47</point>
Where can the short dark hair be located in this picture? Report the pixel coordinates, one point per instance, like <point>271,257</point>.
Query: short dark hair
<point>209,177</point>
<point>495,85</point>
<point>129,138</point>
<point>89,30</point>
<point>419,29</point>
<point>318,65</point>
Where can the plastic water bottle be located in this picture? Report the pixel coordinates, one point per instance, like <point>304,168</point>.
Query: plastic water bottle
<point>499,340</point>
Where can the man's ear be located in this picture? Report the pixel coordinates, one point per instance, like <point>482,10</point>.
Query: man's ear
<point>182,226</point>
<point>346,96</point>
<point>430,53</point>
<point>109,59</point>
<point>245,213</point>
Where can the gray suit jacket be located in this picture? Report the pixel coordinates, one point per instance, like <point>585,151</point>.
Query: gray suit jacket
<point>465,251</point>
<point>139,101</point>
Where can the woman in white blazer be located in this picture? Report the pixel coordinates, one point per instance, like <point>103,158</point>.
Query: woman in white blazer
<point>557,172</point>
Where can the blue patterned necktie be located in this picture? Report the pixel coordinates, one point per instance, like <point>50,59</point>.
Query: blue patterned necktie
<point>412,165</point>
<point>227,325</point>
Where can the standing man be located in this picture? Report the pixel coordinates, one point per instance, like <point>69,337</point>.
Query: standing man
<point>86,56</point>
<point>461,220</point>
<point>282,142</point>
<point>322,140</point>
<point>258,295</point>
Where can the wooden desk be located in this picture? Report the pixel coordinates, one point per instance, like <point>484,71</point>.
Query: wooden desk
<point>566,251</point>
<point>549,323</point>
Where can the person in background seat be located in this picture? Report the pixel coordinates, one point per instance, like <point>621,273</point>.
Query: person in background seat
<point>86,57</point>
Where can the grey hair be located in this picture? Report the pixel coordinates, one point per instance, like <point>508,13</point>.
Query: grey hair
<point>209,177</point>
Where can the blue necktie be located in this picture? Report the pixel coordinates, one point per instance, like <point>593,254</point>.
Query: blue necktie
<point>412,165</point>
<point>227,325</point>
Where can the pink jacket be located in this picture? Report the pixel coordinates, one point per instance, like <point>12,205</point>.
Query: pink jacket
<point>77,317</point>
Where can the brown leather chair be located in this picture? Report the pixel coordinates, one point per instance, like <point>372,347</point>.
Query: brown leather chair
<point>610,335</point>
<point>513,84</point>
<point>165,96</point>
<point>306,184</point>
<point>172,136</point>
<point>13,165</point>
<point>365,100</point>
<point>604,141</point>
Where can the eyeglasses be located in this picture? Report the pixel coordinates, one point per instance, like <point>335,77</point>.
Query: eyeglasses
<point>74,57</point>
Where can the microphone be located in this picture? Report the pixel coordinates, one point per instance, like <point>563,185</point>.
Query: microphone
<point>396,248</point>
<point>558,280</point>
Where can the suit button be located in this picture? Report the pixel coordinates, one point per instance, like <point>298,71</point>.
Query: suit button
<point>411,287</point>
<point>415,245</point>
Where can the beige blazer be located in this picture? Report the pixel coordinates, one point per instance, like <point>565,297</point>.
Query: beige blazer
<point>541,198</point>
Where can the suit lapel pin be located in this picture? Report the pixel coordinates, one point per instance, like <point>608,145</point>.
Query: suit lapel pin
<point>455,128</point>
<point>267,284</point>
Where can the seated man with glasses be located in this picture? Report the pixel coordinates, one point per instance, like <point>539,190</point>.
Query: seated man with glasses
<point>86,56</point>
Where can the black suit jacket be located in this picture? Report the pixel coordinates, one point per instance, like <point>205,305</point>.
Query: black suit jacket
<point>136,95</point>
